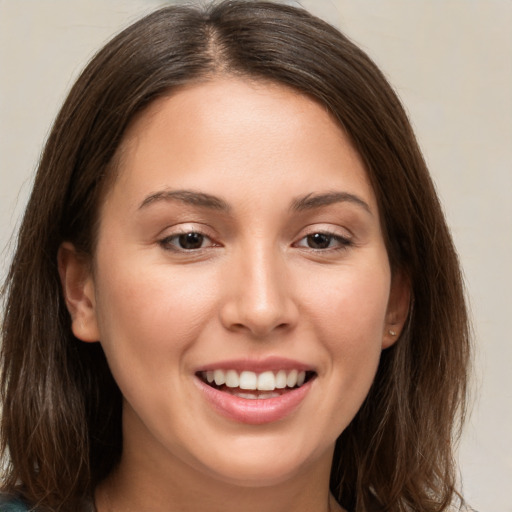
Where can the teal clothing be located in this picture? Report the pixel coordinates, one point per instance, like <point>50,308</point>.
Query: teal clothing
<point>17,505</point>
<point>13,506</point>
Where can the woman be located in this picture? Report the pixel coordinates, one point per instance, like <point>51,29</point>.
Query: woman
<point>234,285</point>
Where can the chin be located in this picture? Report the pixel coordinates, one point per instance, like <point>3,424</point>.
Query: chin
<point>262,465</point>
<point>256,475</point>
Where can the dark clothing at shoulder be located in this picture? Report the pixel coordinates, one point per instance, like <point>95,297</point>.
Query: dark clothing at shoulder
<point>12,505</point>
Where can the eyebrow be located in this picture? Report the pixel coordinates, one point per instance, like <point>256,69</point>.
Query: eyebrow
<point>188,197</point>
<point>312,201</point>
<point>201,199</point>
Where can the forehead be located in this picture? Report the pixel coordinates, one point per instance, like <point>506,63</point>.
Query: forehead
<point>256,133</point>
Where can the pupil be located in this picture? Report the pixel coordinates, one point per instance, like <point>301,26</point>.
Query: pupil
<point>191,241</point>
<point>319,241</point>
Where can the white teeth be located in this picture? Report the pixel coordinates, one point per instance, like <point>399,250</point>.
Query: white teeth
<point>266,381</point>
<point>254,396</point>
<point>291,380</point>
<point>281,379</point>
<point>247,380</point>
<point>262,396</point>
<point>219,376</point>
<point>232,379</point>
<point>249,396</point>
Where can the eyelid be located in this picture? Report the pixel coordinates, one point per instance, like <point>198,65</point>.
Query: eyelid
<point>327,229</point>
<point>167,244</point>
<point>344,239</point>
<point>173,232</point>
<point>343,242</point>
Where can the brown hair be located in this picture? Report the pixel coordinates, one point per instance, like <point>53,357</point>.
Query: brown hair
<point>61,422</point>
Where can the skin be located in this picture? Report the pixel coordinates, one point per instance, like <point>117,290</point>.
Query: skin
<point>255,288</point>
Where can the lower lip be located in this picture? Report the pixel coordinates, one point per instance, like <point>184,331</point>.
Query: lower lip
<point>256,411</point>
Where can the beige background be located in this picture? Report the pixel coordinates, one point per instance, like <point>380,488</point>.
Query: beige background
<point>450,61</point>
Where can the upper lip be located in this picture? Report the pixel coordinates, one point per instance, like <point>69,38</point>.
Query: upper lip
<point>273,363</point>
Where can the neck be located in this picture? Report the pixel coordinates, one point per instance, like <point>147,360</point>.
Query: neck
<point>138,485</point>
<point>153,477</point>
<point>113,496</point>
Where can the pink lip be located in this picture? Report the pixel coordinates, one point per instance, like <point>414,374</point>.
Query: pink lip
<point>257,365</point>
<point>255,412</point>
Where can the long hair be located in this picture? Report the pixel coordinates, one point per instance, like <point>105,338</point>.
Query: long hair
<point>61,421</point>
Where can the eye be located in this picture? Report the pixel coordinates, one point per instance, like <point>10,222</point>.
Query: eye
<point>190,241</point>
<point>321,241</point>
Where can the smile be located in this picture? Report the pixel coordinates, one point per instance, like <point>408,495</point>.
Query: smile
<point>251,385</point>
<point>258,395</point>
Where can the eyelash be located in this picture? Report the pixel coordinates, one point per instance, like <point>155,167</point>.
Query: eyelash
<point>342,242</point>
<point>167,242</point>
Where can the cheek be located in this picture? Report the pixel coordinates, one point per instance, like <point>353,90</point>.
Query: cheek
<point>350,318</point>
<point>149,315</point>
<point>351,305</point>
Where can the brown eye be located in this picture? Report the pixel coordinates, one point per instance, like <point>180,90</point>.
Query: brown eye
<point>319,240</point>
<point>190,241</point>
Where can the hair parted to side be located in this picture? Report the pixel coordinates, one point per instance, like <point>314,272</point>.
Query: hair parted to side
<point>61,421</point>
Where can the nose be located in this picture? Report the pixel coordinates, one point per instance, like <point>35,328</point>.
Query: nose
<point>259,299</point>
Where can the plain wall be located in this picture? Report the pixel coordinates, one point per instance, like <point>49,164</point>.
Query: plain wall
<point>451,63</point>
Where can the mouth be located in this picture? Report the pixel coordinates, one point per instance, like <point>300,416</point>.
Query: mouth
<point>256,386</point>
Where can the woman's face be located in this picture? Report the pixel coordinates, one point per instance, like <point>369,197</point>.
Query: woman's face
<point>241,242</point>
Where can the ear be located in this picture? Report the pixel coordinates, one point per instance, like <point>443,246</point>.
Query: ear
<point>398,308</point>
<point>78,289</point>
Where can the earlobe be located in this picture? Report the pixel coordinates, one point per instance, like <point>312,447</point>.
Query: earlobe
<point>78,289</point>
<point>398,308</point>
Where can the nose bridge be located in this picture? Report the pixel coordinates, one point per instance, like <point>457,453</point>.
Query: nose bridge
<point>260,300</point>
